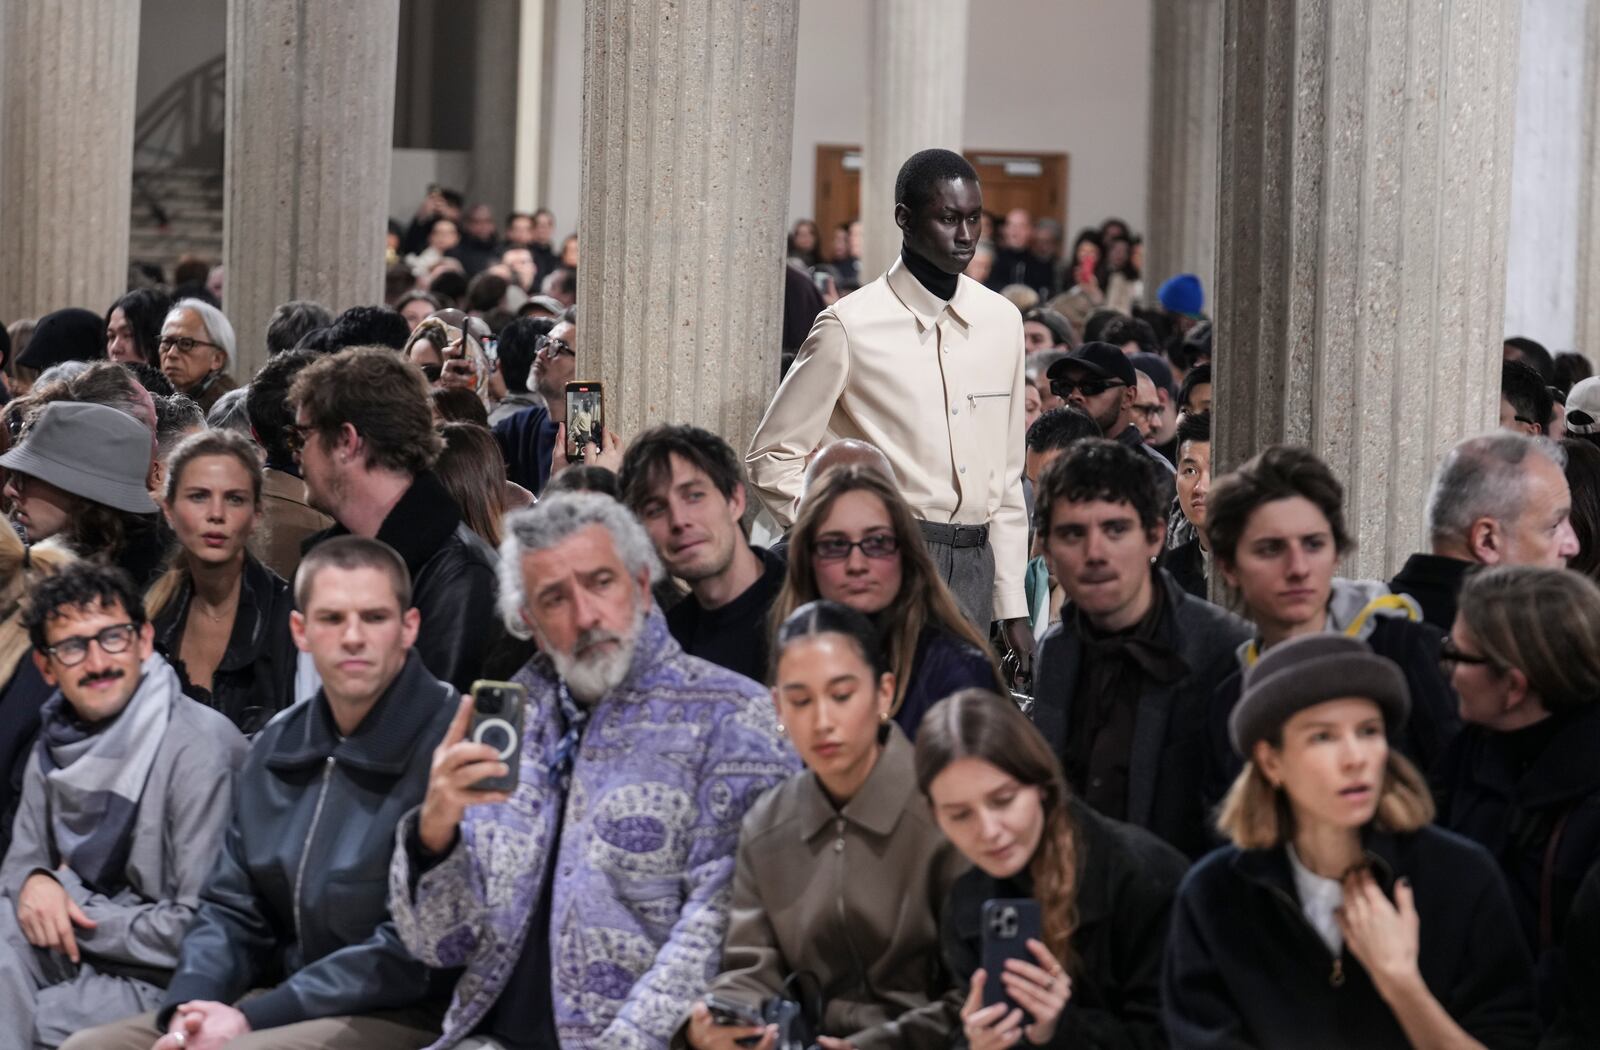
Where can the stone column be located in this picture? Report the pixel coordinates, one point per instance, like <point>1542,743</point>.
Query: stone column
<point>916,99</point>
<point>66,153</point>
<point>310,132</point>
<point>1364,195</point>
<point>1185,106</point>
<point>1586,332</point>
<point>687,129</point>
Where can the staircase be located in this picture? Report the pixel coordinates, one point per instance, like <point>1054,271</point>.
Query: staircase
<point>177,170</point>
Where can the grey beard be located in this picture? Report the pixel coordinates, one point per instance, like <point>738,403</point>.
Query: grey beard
<point>592,677</point>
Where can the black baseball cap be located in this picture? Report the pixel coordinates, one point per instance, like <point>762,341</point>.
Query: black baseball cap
<point>1098,359</point>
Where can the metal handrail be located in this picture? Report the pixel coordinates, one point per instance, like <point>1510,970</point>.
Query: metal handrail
<point>191,110</point>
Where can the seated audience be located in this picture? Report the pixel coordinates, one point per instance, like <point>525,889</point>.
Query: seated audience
<point>133,326</point>
<point>293,935</point>
<point>876,883</point>
<point>1499,499</point>
<point>1123,681</point>
<point>81,473</point>
<point>1104,888</point>
<point>367,448</point>
<point>1521,778</point>
<point>856,542</point>
<point>1339,917</point>
<point>1276,528</point>
<point>288,519</point>
<point>1190,561</point>
<point>124,805</point>
<point>221,617</point>
<point>588,902</point>
<point>687,486</point>
<point>197,349</point>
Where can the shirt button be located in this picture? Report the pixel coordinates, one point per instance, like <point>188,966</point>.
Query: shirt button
<point>838,845</point>
<point>955,411</point>
<point>963,470</point>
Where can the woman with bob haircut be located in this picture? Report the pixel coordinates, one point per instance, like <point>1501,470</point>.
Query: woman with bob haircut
<point>1104,888</point>
<point>841,870</point>
<point>857,542</point>
<point>1522,779</point>
<point>1276,530</point>
<point>1339,917</point>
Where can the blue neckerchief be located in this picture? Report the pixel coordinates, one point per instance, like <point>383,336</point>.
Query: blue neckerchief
<point>561,758</point>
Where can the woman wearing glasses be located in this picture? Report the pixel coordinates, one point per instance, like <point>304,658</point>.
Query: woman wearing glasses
<point>856,542</point>
<point>196,349</point>
<point>1522,778</point>
<point>221,617</point>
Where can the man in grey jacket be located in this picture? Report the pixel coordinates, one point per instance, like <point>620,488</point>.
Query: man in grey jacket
<point>124,803</point>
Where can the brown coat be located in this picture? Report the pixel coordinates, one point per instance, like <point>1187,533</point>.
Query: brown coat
<point>851,896</point>
<point>286,522</point>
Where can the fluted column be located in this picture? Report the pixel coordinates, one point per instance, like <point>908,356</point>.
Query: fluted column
<point>1364,194</point>
<point>688,116</point>
<point>916,97</point>
<point>66,152</point>
<point>1185,107</point>
<point>309,147</point>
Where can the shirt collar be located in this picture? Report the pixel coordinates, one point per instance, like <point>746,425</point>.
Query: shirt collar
<point>877,806</point>
<point>923,304</point>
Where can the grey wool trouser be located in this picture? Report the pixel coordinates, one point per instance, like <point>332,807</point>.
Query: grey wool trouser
<point>964,560</point>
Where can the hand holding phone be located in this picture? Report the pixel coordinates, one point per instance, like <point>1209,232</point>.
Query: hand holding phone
<point>719,1023</point>
<point>586,417</point>
<point>460,764</point>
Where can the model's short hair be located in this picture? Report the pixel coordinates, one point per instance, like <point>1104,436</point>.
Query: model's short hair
<point>1277,472</point>
<point>554,519</point>
<point>79,585</point>
<point>924,170</point>
<point>1061,428</point>
<point>350,553</point>
<point>1098,469</point>
<point>647,465</point>
<point>385,398</point>
<point>292,320</point>
<point>1484,477</point>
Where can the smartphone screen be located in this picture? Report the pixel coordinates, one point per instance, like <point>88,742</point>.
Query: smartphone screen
<point>586,416</point>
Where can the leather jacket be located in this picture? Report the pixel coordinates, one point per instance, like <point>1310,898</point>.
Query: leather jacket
<point>452,579</point>
<point>298,901</point>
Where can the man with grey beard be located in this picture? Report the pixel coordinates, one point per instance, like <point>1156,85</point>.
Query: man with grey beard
<point>588,904</point>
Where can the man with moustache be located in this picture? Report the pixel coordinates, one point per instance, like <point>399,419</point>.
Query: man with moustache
<point>927,366</point>
<point>589,904</point>
<point>124,805</point>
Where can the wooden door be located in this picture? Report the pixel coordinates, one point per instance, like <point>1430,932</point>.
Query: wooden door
<point>1035,181</point>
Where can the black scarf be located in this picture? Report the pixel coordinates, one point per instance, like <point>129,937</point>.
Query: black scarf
<point>935,280</point>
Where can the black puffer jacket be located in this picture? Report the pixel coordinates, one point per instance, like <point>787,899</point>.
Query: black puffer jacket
<point>1126,881</point>
<point>299,899</point>
<point>255,679</point>
<point>1244,968</point>
<point>452,579</point>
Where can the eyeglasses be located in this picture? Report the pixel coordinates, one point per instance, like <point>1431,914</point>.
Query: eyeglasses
<point>294,438</point>
<point>1449,654</point>
<point>1151,412</point>
<point>837,548</point>
<point>1064,388</point>
<point>71,651</point>
<point>181,343</point>
<point>555,347</point>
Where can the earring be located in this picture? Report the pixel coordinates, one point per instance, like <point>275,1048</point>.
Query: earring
<point>883,719</point>
<point>781,729</point>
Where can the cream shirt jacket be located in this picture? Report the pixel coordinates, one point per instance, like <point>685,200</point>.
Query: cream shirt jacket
<point>937,386</point>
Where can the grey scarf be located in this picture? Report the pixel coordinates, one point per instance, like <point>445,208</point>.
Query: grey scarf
<point>94,775</point>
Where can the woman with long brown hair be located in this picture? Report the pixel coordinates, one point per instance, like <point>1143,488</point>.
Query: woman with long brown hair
<point>472,469</point>
<point>856,542</point>
<point>1104,888</point>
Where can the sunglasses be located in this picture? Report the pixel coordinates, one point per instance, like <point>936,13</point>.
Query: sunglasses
<point>1065,388</point>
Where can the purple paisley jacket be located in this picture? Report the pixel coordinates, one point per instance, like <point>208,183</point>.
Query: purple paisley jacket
<point>668,764</point>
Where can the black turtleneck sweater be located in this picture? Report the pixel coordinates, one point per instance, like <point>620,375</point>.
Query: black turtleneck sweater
<point>935,280</point>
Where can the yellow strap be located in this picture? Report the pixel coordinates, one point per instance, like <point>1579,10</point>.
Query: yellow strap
<point>1400,602</point>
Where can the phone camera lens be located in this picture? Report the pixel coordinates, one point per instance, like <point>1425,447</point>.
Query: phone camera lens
<point>487,702</point>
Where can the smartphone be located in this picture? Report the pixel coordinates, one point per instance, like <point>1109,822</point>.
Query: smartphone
<point>732,1013</point>
<point>497,721</point>
<point>586,417</point>
<point>1008,926</point>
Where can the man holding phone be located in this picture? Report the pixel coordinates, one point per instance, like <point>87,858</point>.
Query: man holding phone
<point>293,933</point>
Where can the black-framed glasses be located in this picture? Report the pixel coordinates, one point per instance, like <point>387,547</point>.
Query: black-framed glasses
<point>551,347</point>
<point>837,548</point>
<point>70,652</point>
<point>1064,388</point>
<point>1150,412</point>
<point>181,343</point>
<point>1449,654</point>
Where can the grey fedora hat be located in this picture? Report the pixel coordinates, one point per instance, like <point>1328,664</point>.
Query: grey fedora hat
<point>91,451</point>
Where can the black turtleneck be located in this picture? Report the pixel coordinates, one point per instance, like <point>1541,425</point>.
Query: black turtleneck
<point>935,280</point>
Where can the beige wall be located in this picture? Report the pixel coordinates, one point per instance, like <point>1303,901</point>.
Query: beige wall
<point>1058,76</point>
